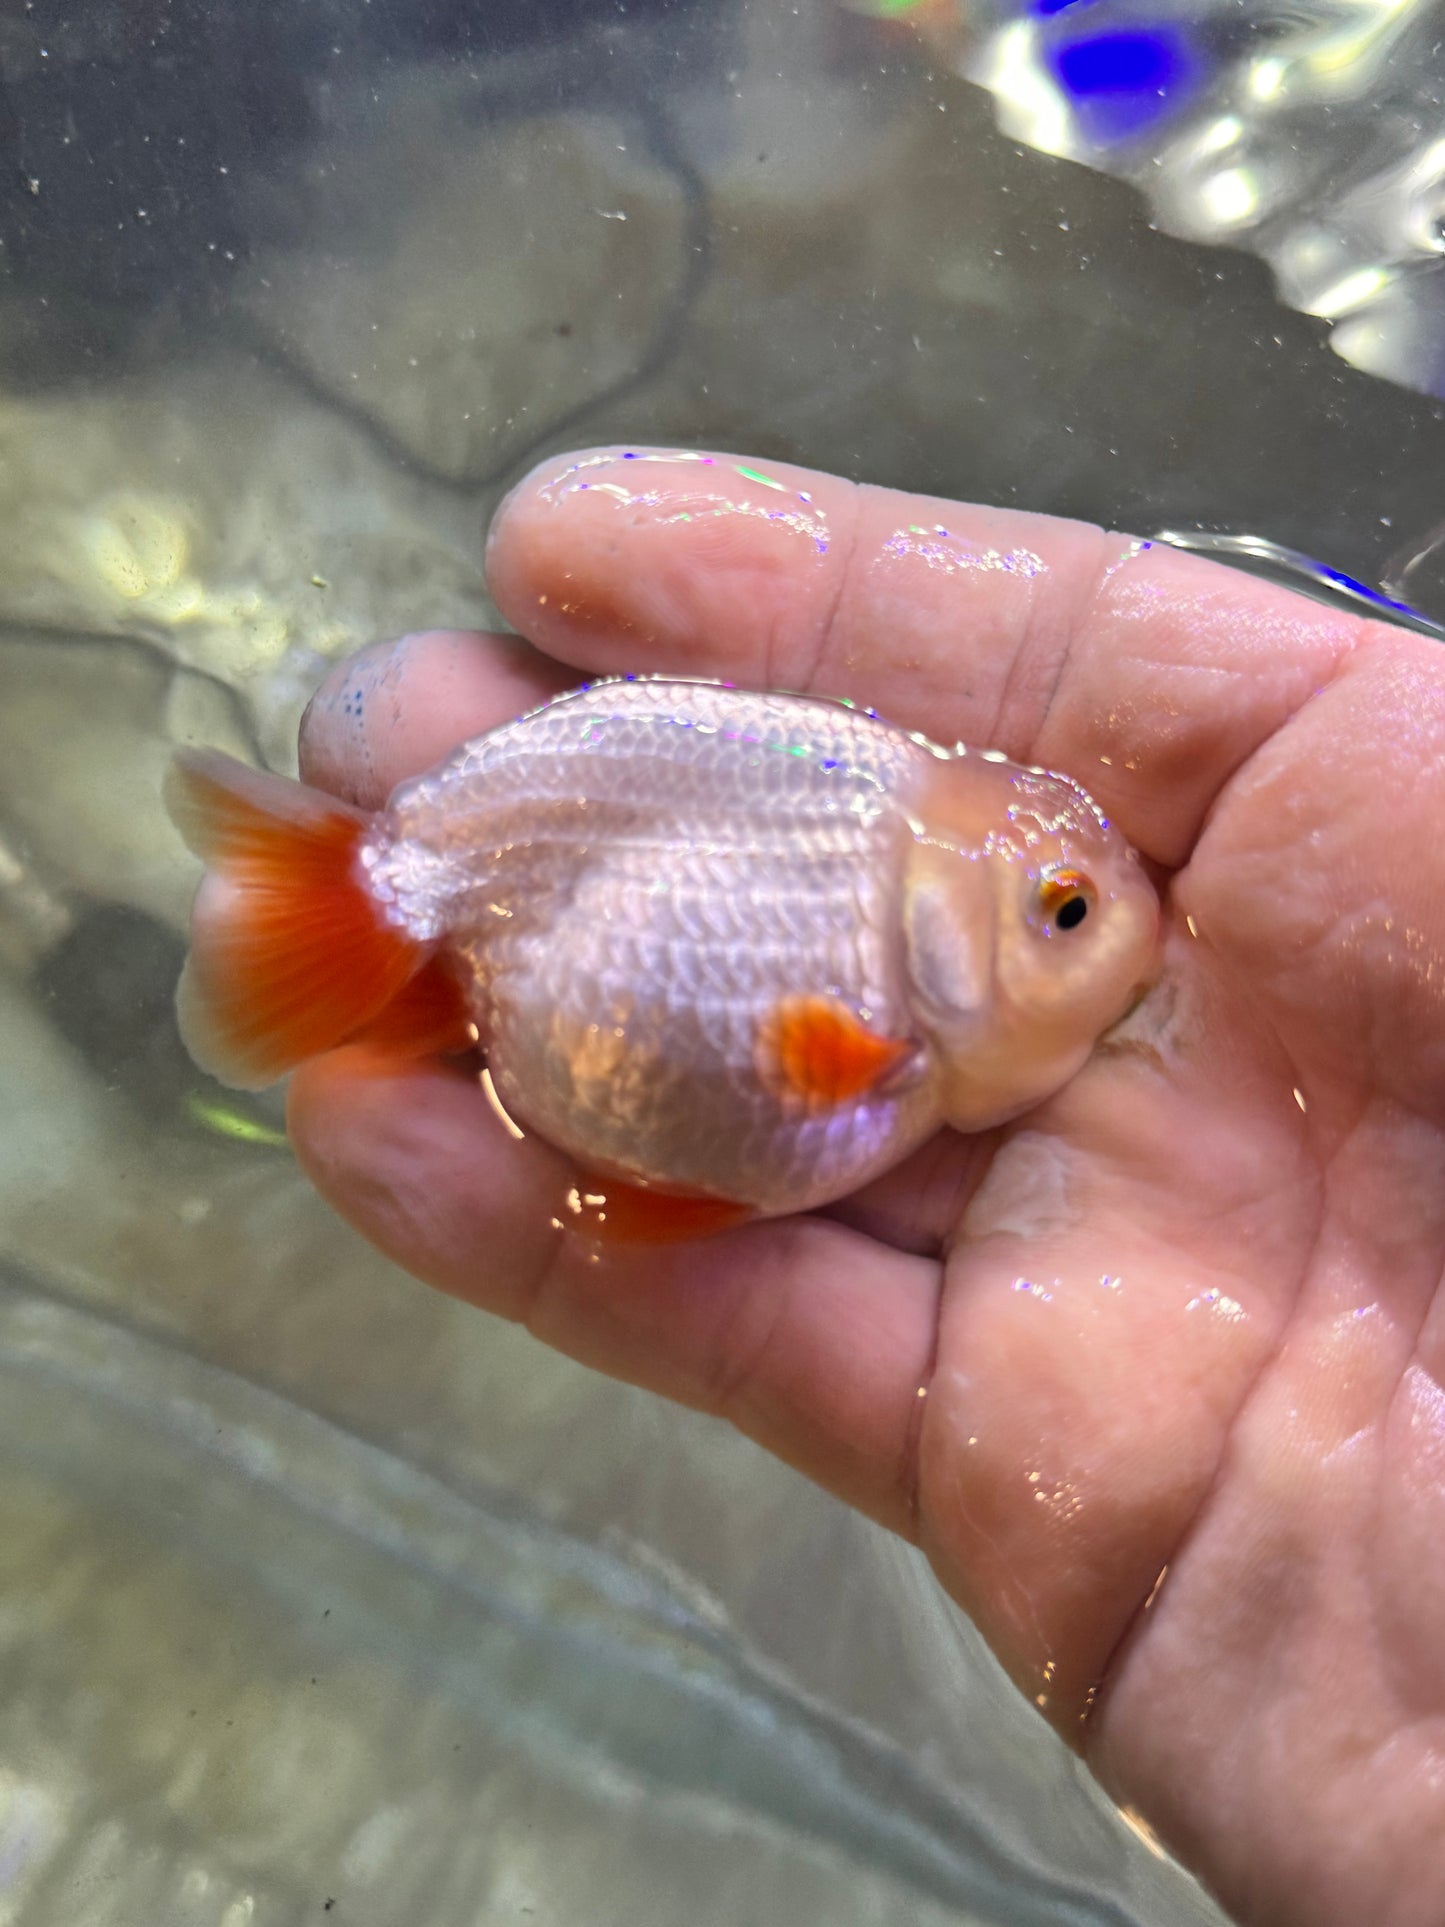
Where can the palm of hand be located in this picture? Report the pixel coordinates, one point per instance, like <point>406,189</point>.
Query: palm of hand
<point>1198,1483</point>
<point>1154,1375</point>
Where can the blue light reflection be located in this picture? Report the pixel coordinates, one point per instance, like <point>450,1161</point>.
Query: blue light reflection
<point>1122,83</point>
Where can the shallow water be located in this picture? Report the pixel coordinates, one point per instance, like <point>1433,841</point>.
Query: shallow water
<point>317,1587</point>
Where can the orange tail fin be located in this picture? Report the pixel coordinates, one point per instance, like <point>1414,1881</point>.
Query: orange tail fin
<point>290,955</point>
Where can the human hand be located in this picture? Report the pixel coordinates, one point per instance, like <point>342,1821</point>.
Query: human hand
<point>1154,1374</point>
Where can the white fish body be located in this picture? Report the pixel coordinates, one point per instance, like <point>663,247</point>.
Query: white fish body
<point>747,945</point>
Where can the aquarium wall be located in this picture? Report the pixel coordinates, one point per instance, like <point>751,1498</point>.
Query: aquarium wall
<point>322,1596</point>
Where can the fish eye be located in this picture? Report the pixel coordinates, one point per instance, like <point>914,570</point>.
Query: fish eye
<point>1064,898</point>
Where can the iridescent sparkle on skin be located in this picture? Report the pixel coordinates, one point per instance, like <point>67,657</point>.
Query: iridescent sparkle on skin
<point>746,948</point>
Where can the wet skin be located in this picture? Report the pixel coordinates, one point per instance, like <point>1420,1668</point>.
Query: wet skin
<point>1183,1320</point>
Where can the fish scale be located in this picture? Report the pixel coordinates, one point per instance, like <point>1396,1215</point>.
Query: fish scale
<point>706,940</point>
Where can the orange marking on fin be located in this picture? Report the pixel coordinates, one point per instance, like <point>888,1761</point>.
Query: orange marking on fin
<point>614,1212</point>
<point>290,955</point>
<point>814,1050</point>
<point>428,1017</point>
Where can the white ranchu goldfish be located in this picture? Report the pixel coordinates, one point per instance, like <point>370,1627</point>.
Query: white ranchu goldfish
<point>735,953</point>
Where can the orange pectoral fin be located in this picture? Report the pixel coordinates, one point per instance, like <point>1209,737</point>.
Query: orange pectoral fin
<point>612,1212</point>
<point>814,1051</point>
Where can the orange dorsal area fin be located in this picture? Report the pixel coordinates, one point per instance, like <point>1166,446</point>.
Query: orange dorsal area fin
<point>290,954</point>
<point>814,1051</point>
<point>613,1212</point>
<point>428,1017</point>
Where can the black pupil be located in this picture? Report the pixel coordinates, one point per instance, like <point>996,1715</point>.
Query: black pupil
<point>1071,914</point>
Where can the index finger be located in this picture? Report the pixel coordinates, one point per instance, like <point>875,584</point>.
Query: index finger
<point>1147,674</point>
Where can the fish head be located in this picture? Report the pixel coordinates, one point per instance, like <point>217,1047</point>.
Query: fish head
<point>1030,927</point>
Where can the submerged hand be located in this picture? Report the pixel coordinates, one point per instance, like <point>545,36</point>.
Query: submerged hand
<point>1155,1374</point>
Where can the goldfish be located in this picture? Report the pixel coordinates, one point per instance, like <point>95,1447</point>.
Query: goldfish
<point>734,952</point>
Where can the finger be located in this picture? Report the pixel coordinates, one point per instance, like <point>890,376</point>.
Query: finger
<point>397,708</point>
<point>804,1334</point>
<point>1148,674</point>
